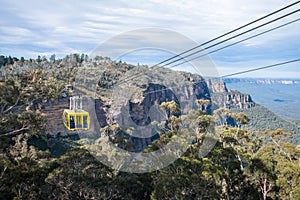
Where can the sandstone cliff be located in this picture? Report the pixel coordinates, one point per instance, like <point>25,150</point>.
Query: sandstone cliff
<point>223,97</point>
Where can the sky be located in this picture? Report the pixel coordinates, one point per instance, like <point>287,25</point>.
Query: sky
<point>31,28</point>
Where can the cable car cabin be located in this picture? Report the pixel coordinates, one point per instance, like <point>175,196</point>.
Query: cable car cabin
<point>76,120</point>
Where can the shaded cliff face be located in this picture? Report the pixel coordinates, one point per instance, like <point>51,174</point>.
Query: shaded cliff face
<point>140,112</point>
<point>185,96</point>
<point>154,95</point>
<point>222,97</point>
<point>128,99</point>
<point>189,92</point>
<point>133,103</point>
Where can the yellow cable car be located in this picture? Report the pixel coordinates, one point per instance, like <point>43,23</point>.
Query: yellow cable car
<point>75,118</point>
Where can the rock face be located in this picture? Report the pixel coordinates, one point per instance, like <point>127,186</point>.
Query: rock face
<point>154,95</point>
<point>135,109</point>
<point>138,111</point>
<point>185,96</point>
<point>128,95</point>
<point>216,86</point>
<point>222,97</point>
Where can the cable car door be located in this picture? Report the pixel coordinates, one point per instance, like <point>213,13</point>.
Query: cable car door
<point>72,122</point>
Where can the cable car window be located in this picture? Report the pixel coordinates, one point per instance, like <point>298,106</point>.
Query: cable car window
<point>78,122</point>
<point>72,122</point>
<point>85,124</point>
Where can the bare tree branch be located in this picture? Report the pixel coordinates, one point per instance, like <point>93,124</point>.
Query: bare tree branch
<point>3,172</point>
<point>281,149</point>
<point>16,103</point>
<point>15,132</point>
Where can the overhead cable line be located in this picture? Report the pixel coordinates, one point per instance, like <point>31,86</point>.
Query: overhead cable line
<point>235,36</point>
<point>233,74</point>
<point>240,41</point>
<point>272,21</point>
<point>232,31</point>
<point>260,68</point>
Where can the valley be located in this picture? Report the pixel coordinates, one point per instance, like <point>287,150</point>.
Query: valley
<point>281,96</point>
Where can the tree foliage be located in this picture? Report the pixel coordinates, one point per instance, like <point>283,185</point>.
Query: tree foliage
<point>243,164</point>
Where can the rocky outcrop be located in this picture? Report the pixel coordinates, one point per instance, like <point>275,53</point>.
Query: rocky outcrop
<point>138,111</point>
<point>135,99</point>
<point>128,94</point>
<point>217,86</point>
<point>185,96</point>
<point>222,97</point>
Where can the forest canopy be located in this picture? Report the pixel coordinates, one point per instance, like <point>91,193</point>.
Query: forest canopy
<point>243,164</point>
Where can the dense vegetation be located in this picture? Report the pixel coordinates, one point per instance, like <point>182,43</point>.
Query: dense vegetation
<point>263,119</point>
<point>243,164</point>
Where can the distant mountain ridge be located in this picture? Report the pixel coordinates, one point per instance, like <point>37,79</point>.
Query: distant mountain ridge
<point>263,81</point>
<point>261,117</point>
<point>281,96</point>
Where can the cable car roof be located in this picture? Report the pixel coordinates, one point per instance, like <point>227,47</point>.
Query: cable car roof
<point>75,111</point>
